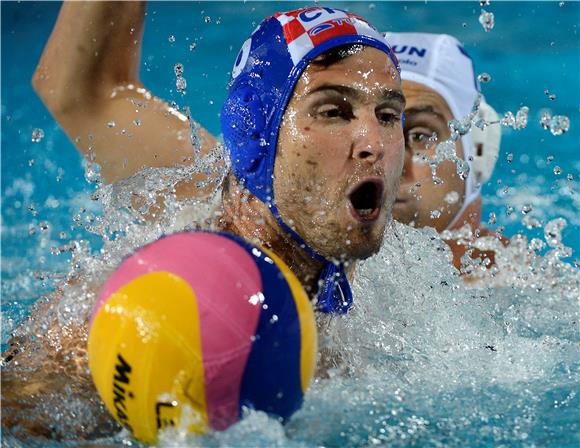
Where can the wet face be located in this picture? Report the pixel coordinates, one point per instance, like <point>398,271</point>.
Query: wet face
<point>426,117</point>
<point>340,154</point>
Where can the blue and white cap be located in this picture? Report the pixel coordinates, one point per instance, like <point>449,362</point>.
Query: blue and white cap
<point>440,62</point>
<point>264,75</point>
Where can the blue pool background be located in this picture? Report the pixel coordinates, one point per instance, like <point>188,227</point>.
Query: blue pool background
<point>534,47</point>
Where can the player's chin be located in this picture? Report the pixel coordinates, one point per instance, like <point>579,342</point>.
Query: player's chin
<point>368,246</point>
<point>361,244</point>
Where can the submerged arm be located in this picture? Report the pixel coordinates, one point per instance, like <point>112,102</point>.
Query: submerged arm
<point>88,78</point>
<point>47,391</point>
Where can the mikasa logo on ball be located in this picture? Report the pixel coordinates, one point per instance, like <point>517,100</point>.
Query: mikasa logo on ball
<point>120,393</point>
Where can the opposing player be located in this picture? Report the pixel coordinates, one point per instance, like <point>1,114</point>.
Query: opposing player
<point>440,85</point>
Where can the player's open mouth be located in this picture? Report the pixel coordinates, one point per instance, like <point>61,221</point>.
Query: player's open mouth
<point>365,200</point>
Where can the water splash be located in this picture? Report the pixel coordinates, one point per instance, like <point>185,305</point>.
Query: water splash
<point>416,330</point>
<point>446,151</point>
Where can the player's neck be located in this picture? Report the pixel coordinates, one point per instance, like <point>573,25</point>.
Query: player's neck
<point>248,217</point>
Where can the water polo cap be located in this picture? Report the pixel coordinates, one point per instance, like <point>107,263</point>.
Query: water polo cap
<point>264,75</point>
<point>440,62</point>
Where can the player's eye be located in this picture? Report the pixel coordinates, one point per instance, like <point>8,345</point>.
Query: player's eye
<point>420,139</point>
<point>334,111</point>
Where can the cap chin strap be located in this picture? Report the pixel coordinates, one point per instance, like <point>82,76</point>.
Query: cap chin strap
<point>334,294</point>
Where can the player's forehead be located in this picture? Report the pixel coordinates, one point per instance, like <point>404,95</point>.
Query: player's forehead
<point>363,71</point>
<point>422,99</point>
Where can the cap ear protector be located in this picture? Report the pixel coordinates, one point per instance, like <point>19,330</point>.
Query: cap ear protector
<point>486,144</point>
<point>243,114</point>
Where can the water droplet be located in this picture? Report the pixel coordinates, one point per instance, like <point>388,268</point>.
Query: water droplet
<point>545,120</point>
<point>559,124</point>
<point>557,170</point>
<point>550,96</point>
<point>509,210</point>
<point>37,135</point>
<point>171,38</point>
<point>510,157</point>
<point>537,244</point>
<point>192,46</point>
<point>553,231</point>
<point>372,6</point>
<point>487,20</point>
<point>530,222</point>
<point>446,149</point>
<point>462,168</point>
<point>111,124</point>
<point>492,218</point>
<point>526,209</point>
<point>522,118</point>
<point>549,159</point>
<point>180,84</point>
<point>561,4</point>
<point>137,122</point>
<point>452,197</point>
<point>508,119</point>
<point>484,78</point>
<point>207,19</point>
<point>570,177</point>
<point>31,162</point>
<point>483,3</point>
<point>435,214</point>
<point>461,127</point>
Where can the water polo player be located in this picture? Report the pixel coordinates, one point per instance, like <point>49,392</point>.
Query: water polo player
<point>319,151</point>
<point>439,83</point>
<point>312,122</point>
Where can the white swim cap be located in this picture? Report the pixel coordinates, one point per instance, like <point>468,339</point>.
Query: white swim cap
<point>440,62</point>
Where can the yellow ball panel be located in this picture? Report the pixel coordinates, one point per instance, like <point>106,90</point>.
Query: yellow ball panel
<point>145,356</point>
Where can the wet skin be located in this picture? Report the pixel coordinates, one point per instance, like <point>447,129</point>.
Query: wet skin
<point>341,128</point>
<point>426,113</point>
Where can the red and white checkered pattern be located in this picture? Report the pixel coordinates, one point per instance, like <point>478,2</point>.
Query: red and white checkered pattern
<point>307,28</point>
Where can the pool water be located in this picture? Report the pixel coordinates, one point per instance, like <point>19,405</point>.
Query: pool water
<point>426,361</point>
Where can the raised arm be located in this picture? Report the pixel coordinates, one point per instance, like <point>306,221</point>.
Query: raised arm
<point>88,78</point>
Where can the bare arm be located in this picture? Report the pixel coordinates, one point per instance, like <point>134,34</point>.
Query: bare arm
<point>46,384</point>
<point>88,78</point>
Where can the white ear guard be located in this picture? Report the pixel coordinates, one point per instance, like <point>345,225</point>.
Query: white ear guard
<point>486,144</point>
